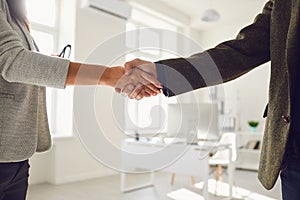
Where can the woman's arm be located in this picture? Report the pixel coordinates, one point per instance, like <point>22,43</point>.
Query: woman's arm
<point>20,65</point>
<point>87,74</point>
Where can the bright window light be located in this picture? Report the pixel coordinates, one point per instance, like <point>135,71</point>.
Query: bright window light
<point>42,11</point>
<point>43,15</point>
<point>149,115</point>
<point>44,41</point>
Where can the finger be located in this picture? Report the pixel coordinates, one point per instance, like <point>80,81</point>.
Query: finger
<point>147,92</point>
<point>151,79</point>
<point>143,81</point>
<point>127,89</point>
<point>122,82</point>
<point>118,90</point>
<point>128,67</point>
<point>152,89</point>
<point>140,96</point>
<point>138,89</point>
<point>144,93</point>
<point>147,95</point>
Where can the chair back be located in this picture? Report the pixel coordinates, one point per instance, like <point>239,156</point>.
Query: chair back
<point>227,138</point>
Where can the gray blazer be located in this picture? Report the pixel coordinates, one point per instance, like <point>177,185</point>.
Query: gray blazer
<point>24,76</point>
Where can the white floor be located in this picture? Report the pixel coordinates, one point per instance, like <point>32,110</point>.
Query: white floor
<point>108,188</point>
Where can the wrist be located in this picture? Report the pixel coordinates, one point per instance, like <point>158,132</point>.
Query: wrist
<point>104,77</point>
<point>111,76</point>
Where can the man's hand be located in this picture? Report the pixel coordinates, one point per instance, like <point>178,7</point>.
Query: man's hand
<point>144,65</point>
<point>140,80</point>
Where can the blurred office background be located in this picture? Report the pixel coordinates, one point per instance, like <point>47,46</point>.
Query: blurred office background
<point>68,171</point>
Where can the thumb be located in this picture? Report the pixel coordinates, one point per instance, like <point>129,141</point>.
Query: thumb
<point>129,66</point>
<point>118,90</point>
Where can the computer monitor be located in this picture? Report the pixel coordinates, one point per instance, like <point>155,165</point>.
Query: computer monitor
<point>188,120</point>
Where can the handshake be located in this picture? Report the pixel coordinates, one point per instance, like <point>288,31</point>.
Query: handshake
<point>138,79</point>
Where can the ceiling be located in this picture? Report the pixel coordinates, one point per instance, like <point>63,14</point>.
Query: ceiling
<point>231,11</point>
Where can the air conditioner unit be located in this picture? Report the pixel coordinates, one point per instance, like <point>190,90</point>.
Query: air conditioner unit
<point>117,8</point>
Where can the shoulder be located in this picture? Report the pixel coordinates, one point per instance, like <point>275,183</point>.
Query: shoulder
<point>5,17</point>
<point>3,8</point>
<point>3,5</point>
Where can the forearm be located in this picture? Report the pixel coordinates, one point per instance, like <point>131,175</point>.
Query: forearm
<point>88,74</point>
<point>20,65</point>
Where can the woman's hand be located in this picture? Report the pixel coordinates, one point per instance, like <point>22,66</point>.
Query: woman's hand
<point>136,83</point>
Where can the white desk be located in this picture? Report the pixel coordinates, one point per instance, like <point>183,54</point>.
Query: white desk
<point>191,160</point>
<point>247,158</point>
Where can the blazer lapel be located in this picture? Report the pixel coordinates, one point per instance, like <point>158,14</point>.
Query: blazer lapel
<point>293,43</point>
<point>29,39</point>
<point>293,36</point>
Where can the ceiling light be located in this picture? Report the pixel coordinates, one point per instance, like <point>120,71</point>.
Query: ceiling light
<point>210,15</point>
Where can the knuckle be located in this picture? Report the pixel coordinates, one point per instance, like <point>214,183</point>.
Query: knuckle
<point>127,65</point>
<point>132,78</point>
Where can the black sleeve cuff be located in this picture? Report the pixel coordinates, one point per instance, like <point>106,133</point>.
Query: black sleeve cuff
<point>162,79</point>
<point>178,76</point>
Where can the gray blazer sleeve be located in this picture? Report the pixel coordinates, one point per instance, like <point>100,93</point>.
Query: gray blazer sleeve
<point>17,64</point>
<point>225,62</point>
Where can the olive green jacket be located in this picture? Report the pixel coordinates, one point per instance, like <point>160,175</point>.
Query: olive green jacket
<point>274,35</point>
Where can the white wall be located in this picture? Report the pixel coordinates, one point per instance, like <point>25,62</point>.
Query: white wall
<point>69,161</point>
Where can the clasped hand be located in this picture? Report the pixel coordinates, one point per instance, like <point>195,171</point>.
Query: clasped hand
<point>139,80</point>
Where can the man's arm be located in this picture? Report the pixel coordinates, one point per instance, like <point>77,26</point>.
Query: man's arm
<point>225,62</point>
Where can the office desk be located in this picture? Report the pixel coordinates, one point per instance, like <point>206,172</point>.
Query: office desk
<point>191,160</point>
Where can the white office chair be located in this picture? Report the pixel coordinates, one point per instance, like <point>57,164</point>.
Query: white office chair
<point>221,158</point>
